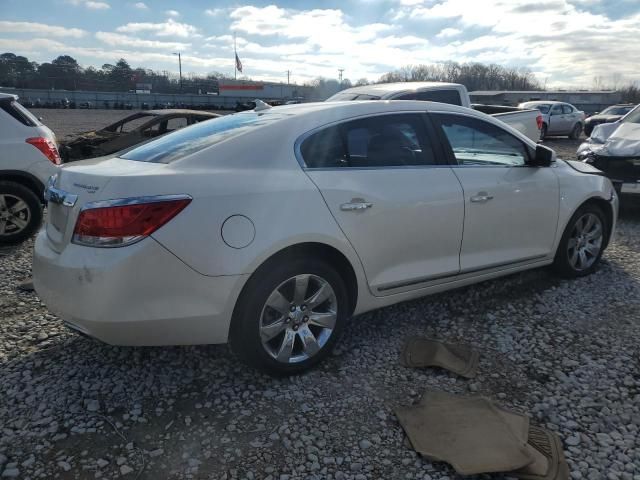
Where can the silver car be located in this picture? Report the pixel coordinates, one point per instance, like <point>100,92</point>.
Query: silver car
<point>558,118</point>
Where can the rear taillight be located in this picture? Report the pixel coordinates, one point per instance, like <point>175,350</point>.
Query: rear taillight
<point>539,121</point>
<point>116,223</point>
<point>47,147</point>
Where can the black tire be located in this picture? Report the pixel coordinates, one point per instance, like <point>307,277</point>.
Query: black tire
<point>562,263</point>
<point>543,131</point>
<point>245,334</point>
<point>576,131</point>
<point>12,193</point>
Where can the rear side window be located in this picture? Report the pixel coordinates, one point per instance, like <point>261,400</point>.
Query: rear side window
<point>380,141</point>
<point>476,142</point>
<point>556,110</point>
<point>567,109</point>
<point>20,113</point>
<point>197,137</point>
<point>451,97</point>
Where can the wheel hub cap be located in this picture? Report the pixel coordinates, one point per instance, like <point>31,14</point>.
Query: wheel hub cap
<point>298,318</point>
<point>585,242</point>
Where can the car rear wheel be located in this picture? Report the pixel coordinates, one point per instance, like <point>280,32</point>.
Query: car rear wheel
<point>20,213</point>
<point>289,315</point>
<point>575,133</point>
<point>582,243</point>
<point>588,130</point>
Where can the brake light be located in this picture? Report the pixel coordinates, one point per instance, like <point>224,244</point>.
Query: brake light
<point>539,121</point>
<point>116,223</point>
<point>47,147</point>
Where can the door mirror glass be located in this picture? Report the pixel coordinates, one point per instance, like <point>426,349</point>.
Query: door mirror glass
<point>543,157</point>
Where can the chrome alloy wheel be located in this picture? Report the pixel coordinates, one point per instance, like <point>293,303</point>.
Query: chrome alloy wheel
<point>585,242</point>
<point>298,318</point>
<point>15,214</point>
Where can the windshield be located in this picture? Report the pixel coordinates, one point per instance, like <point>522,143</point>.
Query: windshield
<point>544,108</point>
<point>348,96</point>
<point>633,116</point>
<point>192,139</point>
<point>616,110</point>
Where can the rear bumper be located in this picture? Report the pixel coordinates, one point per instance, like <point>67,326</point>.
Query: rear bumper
<point>136,295</point>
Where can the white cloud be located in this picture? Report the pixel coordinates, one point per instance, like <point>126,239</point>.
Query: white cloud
<point>119,40</point>
<point>170,28</point>
<point>97,5</point>
<point>449,32</point>
<point>91,4</point>
<point>40,28</point>
<point>141,6</point>
<point>172,13</point>
<point>213,11</point>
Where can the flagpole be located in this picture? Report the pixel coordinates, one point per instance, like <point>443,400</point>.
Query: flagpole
<point>235,56</point>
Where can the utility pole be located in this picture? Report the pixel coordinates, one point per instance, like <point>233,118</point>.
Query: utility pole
<point>340,70</point>
<point>180,68</point>
<point>288,73</point>
<point>235,58</point>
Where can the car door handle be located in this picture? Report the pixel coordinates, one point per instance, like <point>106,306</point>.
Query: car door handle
<point>355,206</point>
<point>481,197</point>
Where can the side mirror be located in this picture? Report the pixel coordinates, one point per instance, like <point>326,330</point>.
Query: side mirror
<point>543,157</point>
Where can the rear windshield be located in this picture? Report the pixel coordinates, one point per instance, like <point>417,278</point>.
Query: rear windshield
<point>20,113</point>
<point>197,137</point>
<point>348,96</point>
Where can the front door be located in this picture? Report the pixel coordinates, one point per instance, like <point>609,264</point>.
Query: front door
<point>511,209</point>
<point>558,121</point>
<point>401,209</point>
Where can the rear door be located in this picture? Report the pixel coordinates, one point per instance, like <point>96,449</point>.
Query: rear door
<point>511,209</point>
<point>399,205</point>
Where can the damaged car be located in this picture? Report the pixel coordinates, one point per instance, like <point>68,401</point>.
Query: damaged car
<point>608,115</point>
<point>130,131</point>
<point>614,148</point>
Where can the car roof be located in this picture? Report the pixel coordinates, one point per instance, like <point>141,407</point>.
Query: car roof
<point>383,88</point>
<point>540,102</point>
<point>366,107</point>
<point>179,111</point>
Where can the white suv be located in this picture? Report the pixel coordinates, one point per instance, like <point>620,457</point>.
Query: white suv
<point>28,157</point>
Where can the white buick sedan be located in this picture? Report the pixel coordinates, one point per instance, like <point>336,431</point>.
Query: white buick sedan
<point>270,228</point>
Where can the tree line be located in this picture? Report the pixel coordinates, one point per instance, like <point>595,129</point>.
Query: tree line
<point>64,73</point>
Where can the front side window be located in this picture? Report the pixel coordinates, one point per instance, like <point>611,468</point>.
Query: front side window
<point>381,141</point>
<point>477,142</point>
<point>556,110</point>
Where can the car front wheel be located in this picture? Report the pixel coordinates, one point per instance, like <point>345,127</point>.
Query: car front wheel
<point>289,315</point>
<point>582,243</point>
<point>20,213</point>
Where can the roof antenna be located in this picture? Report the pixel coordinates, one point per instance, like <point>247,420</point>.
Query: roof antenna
<point>260,105</point>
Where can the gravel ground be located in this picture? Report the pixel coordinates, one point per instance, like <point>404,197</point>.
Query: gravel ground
<point>565,352</point>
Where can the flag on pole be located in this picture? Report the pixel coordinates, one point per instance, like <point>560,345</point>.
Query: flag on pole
<point>238,64</point>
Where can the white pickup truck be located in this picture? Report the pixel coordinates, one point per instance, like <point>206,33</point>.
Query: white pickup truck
<point>527,121</point>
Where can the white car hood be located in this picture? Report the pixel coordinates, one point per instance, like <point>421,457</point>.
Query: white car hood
<point>614,140</point>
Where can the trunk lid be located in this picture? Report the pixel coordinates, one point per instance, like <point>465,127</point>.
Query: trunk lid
<point>80,183</point>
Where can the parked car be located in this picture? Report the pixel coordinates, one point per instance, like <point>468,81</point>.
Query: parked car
<point>130,131</point>
<point>527,122</point>
<point>558,118</point>
<point>269,229</point>
<point>614,148</point>
<point>608,115</point>
<point>28,157</point>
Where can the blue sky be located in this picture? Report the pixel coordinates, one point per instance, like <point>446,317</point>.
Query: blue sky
<point>564,42</point>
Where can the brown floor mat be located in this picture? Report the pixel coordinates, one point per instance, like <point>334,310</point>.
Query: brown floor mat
<point>549,463</point>
<point>422,352</point>
<point>469,433</point>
